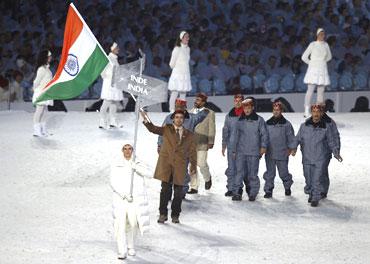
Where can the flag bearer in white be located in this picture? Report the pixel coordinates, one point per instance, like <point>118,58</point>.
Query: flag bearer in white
<point>43,77</point>
<point>129,215</point>
<point>110,94</point>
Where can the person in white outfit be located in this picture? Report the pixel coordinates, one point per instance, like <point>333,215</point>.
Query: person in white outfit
<point>43,77</point>
<point>110,94</point>
<point>316,56</point>
<point>129,213</point>
<point>180,82</point>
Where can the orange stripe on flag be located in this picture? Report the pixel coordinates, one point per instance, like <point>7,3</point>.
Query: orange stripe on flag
<point>72,30</point>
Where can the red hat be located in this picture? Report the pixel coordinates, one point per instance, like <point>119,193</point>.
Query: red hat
<point>317,107</point>
<point>181,102</point>
<point>277,104</point>
<point>239,96</point>
<point>248,101</point>
<point>178,111</point>
<point>202,96</point>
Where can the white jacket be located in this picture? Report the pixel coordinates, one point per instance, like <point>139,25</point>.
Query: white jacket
<point>180,76</point>
<point>109,92</point>
<point>43,77</point>
<point>120,183</point>
<point>316,56</point>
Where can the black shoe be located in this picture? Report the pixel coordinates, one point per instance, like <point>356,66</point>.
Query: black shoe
<point>162,219</point>
<point>237,197</point>
<point>324,195</point>
<point>268,195</point>
<point>309,199</point>
<point>253,198</point>
<point>228,193</point>
<point>175,220</point>
<point>314,203</point>
<point>192,191</point>
<point>288,192</point>
<point>208,184</point>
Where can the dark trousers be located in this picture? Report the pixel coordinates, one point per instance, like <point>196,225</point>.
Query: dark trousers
<point>166,196</point>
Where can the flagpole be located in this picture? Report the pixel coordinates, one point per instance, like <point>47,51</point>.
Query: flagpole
<point>89,30</point>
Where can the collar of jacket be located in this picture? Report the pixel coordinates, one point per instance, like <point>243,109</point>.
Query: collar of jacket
<point>326,118</point>
<point>252,116</point>
<point>232,113</point>
<point>320,124</point>
<point>274,121</point>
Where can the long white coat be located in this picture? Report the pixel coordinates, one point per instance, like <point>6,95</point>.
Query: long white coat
<point>109,92</point>
<point>316,56</point>
<point>120,183</point>
<point>180,76</point>
<point>43,77</point>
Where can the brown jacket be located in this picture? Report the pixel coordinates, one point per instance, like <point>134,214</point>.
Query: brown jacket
<point>205,131</point>
<point>173,157</point>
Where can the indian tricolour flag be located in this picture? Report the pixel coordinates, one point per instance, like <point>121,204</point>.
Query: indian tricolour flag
<point>81,62</point>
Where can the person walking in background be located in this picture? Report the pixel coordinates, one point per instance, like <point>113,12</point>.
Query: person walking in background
<point>180,82</point>
<point>249,144</point>
<point>43,77</point>
<point>205,133</point>
<point>316,141</point>
<point>316,56</point>
<point>129,215</point>
<point>227,132</point>
<point>178,146</point>
<point>110,94</point>
<point>281,146</point>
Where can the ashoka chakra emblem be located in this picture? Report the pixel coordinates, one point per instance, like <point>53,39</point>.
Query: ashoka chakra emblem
<point>71,66</point>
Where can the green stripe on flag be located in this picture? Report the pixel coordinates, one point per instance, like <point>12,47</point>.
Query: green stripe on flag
<point>73,88</point>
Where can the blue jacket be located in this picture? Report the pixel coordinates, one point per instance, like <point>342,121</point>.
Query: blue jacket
<point>249,135</point>
<point>281,138</point>
<point>316,141</point>
<point>190,121</point>
<point>228,130</point>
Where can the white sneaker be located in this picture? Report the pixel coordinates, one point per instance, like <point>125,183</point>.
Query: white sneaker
<point>103,124</point>
<point>114,123</point>
<point>44,131</point>
<point>131,252</point>
<point>306,111</point>
<point>122,256</point>
<point>37,130</point>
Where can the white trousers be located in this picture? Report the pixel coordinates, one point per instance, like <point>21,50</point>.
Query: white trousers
<point>40,113</point>
<point>173,97</point>
<point>125,226</point>
<point>310,90</point>
<point>203,169</point>
<point>112,107</point>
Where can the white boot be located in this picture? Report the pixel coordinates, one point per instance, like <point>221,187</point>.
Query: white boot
<point>122,255</point>
<point>306,111</point>
<point>103,123</point>
<point>131,252</point>
<point>37,130</point>
<point>44,131</point>
<point>114,123</point>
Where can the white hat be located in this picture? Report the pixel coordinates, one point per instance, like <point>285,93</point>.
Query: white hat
<point>114,45</point>
<point>182,34</point>
<point>128,143</point>
<point>319,30</point>
<point>49,53</point>
<point>248,101</point>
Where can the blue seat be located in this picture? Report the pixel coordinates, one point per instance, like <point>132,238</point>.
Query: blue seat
<point>345,81</point>
<point>205,86</point>
<point>246,83</point>
<point>219,87</point>
<point>334,81</point>
<point>360,81</point>
<point>300,86</point>
<point>271,85</point>
<point>258,80</point>
<point>287,83</point>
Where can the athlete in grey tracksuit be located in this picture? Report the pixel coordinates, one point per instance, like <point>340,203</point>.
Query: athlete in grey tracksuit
<point>335,133</point>
<point>227,132</point>
<point>282,143</point>
<point>316,141</point>
<point>249,143</point>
